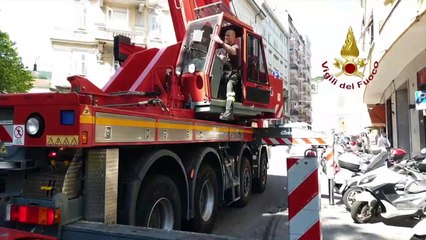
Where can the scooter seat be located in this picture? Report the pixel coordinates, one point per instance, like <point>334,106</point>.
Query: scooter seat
<point>416,187</point>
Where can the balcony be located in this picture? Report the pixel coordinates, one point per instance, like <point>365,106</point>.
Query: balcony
<point>293,57</point>
<point>307,70</point>
<point>295,51</point>
<point>294,66</point>
<point>105,33</point>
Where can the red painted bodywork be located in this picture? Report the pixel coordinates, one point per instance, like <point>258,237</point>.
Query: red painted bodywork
<point>145,76</point>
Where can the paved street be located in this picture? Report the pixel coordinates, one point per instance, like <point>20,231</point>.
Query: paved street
<point>266,215</point>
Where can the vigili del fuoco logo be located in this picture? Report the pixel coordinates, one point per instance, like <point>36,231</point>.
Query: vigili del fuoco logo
<point>351,65</point>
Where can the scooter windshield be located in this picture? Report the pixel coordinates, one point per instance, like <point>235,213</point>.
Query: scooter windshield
<point>197,45</point>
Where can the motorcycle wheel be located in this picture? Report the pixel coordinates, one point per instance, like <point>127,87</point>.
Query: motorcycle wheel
<point>361,212</point>
<point>349,197</point>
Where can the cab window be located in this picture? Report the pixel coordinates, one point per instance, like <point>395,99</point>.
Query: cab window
<point>256,69</point>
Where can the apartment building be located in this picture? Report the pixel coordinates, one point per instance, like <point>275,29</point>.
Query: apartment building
<point>277,52</point>
<point>300,77</point>
<point>394,34</point>
<point>86,46</point>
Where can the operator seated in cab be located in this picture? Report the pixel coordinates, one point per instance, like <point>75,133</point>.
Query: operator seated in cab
<point>229,53</point>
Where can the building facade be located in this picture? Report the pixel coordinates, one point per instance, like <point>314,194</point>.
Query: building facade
<point>277,52</point>
<point>394,34</point>
<point>77,35</point>
<point>300,77</point>
<point>88,43</point>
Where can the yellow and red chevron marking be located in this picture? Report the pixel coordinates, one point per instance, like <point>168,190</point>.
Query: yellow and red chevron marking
<point>293,141</point>
<point>303,198</point>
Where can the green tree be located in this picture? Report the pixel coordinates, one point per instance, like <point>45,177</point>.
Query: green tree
<point>13,75</point>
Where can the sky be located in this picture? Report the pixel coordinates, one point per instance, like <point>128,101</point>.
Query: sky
<point>325,22</point>
<point>22,20</point>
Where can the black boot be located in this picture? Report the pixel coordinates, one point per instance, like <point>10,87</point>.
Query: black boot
<point>228,114</point>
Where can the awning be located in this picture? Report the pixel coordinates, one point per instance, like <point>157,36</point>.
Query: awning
<point>377,115</point>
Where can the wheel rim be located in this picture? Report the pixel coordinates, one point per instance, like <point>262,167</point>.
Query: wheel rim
<point>364,212</point>
<point>246,181</point>
<point>161,215</point>
<point>206,202</point>
<point>264,173</point>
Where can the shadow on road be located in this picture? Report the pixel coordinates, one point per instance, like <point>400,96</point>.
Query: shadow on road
<point>265,217</point>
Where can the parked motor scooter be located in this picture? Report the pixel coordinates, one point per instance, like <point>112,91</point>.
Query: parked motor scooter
<point>417,163</point>
<point>384,201</point>
<point>378,176</point>
<point>353,166</point>
<point>419,231</point>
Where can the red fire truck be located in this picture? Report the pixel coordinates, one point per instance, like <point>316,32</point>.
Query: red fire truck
<point>148,149</point>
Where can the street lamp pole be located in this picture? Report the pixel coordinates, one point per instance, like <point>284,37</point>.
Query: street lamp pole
<point>35,63</point>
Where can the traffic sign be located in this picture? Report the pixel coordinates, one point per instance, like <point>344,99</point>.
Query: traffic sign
<point>18,135</point>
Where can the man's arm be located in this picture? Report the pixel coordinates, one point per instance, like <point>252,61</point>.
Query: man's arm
<point>229,49</point>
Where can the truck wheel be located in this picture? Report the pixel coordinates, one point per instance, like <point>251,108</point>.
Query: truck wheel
<point>205,200</point>
<point>159,204</point>
<point>349,196</point>
<point>361,212</point>
<point>259,184</point>
<point>245,183</point>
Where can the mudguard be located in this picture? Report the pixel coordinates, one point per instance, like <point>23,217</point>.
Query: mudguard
<point>365,196</point>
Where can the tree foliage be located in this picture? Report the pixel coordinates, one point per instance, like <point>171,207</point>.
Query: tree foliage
<point>13,75</point>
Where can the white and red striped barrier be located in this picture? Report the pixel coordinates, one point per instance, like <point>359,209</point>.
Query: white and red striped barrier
<point>303,198</point>
<point>293,141</point>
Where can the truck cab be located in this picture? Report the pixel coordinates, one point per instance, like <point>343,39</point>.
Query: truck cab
<point>257,93</point>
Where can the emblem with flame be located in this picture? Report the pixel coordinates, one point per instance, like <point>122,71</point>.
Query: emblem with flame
<point>351,65</point>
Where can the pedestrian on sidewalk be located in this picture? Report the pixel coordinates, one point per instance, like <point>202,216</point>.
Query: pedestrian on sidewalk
<point>383,143</point>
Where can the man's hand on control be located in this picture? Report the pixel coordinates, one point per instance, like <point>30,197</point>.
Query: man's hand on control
<point>216,38</point>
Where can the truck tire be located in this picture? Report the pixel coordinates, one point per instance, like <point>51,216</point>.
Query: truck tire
<point>205,200</point>
<point>159,204</point>
<point>245,183</point>
<point>259,184</point>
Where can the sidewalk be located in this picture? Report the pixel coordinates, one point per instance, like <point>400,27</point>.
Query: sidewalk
<point>337,223</point>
